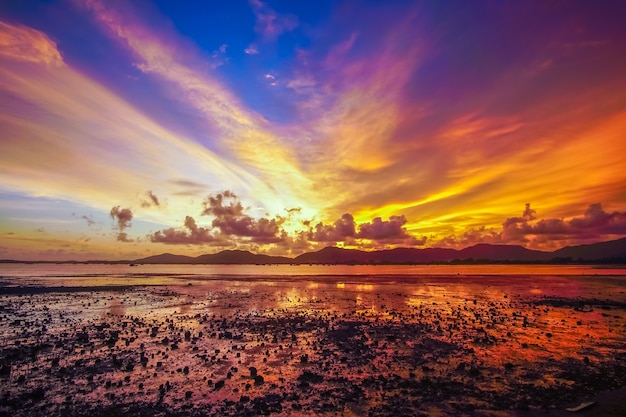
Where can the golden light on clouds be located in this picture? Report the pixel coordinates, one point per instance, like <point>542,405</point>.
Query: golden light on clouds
<point>364,135</point>
<point>25,44</point>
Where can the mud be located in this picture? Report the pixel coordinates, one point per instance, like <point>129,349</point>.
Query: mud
<point>312,346</point>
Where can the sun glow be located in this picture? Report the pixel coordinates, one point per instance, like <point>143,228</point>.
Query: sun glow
<point>354,141</point>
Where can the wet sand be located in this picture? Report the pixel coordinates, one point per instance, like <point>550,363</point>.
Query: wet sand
<point>315,345</point>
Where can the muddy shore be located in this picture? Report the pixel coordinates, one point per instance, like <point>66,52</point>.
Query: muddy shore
<point>246,348</point>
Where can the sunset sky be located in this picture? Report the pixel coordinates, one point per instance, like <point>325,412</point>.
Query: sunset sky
<point>132,128</point>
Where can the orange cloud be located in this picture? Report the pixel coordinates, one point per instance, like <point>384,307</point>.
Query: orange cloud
<point>232,220</point>
<point>122,216</point>
<point>193,235</point>
<point>92,146</point>
<point>385,128</point>
<point>21,43</point>
<point>266,159</point>
<point>595,224</point>
<point>151,200</point>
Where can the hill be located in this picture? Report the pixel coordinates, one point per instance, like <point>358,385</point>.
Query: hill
<point>503,253</point>
<point>224,257</point>
<point>240,257</point>
<point>165,258</point>
<point>612,251</point>
<point>602,251</point>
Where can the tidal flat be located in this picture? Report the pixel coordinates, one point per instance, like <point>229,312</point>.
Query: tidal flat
<point>355,345</point>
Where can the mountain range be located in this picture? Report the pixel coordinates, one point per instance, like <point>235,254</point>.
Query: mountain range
<point>607,252</point>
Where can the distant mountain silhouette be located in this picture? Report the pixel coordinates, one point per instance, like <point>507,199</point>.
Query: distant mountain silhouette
<point>478,252</point>
<point>225,257</point>
<point>166,258</point>
<point>503,253</point>
<point>240,257</point>
<point>612,251</point>
<point>333,255</point>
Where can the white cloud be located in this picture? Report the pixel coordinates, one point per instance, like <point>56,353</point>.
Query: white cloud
<point>251,50</point>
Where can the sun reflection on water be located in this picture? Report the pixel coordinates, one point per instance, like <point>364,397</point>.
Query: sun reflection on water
<point>363,336</point>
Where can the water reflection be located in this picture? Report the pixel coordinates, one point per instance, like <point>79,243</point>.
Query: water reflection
<point>365,287</point>
<point>344,344</point>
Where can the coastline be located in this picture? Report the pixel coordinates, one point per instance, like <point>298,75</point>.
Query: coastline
<point>472,345</point>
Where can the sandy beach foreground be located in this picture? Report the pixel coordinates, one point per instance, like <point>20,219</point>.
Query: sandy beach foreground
<point>316,345</point>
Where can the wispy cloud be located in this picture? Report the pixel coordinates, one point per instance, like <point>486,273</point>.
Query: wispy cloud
<point>184,187</point>
<point>21,43</point>
<point>383,147</point>
<point>380,126</point>
<point>150,200</point>
<point>89,219</point>
<point>252,49</point>
<point>269,23</point>
<point>219,56</point>
<point>245,134</point>
<point>63,113</point>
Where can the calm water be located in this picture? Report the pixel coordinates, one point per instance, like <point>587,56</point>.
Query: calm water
<point>576,280</point>
<point>121,271</point>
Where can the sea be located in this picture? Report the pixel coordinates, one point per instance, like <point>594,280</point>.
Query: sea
<point>521,279</point>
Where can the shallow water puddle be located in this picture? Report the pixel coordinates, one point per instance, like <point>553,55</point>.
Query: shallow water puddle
<point>304,347</point>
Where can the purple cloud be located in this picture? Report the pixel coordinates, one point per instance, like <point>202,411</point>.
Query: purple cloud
<point>151,200</point>
<point>342,229</point>
<point>230,218</point>
<point>123,237</point>
<point>594,222</point>
<point>193,235</point>
<point>222,204</point>
<point>270,24</point>
<point>188,187</point>
<point>593,225</point>
<point>88,219</point>
<point>379,231</point>
<point>123,217</point>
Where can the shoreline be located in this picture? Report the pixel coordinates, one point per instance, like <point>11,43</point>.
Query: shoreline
<point>490,346</point>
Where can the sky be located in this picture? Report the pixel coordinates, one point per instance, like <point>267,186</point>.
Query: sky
<point>133,128</point>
